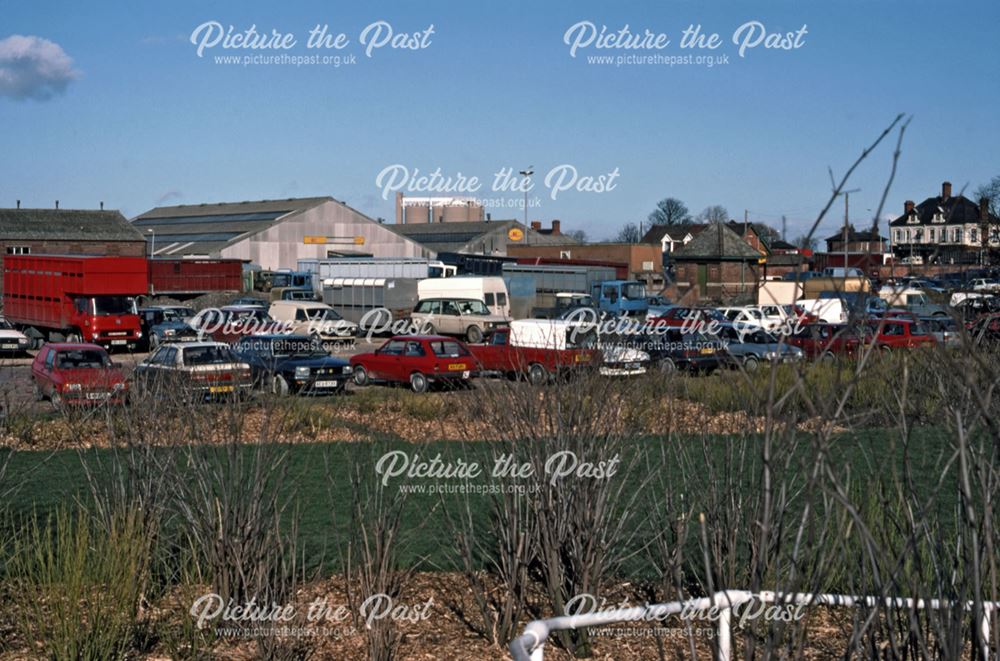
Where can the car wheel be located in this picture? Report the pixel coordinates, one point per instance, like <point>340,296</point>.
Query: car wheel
<point>751,363</point>
<point>279,386</point>
<point>418,382</point>
<point>474,334</point>
<point>360,376</point>
<point>828,358</point>
<point>537,374</point>
<point>667,366</point>
<point>39,395</point>
<point>429,329</point>
<point>56,400</point>
<point>886,350</point>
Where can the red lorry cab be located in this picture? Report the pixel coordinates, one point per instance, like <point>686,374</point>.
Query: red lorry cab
<point>536,349</point>
<point>75,298</point>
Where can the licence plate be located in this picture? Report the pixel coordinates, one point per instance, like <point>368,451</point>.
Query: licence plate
<point>708,351</point>
<point>119,341</point>
<point>220,389</point>
<point>580,358</point>
<point>8,346</point>
<point>98,395</point>
<point>456,367</point>
<point>325,384</point>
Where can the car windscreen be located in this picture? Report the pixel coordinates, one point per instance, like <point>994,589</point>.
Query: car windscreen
<point>448,349</point>
<point>81,359</point>
<point>297,348</point>
<point>473,307</point>
<point>210,355</point>
<point>323,314</point>
<point>108,305</point>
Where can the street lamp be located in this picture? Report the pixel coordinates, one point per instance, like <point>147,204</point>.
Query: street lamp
<point>152,248</point>
<point>526,173</point>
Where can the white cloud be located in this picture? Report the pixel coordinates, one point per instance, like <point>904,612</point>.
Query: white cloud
<point>34,68</point>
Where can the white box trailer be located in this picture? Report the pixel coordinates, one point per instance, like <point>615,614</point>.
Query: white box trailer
<point>416,268</point>
<point>491,290</point>
<point>356,299</point>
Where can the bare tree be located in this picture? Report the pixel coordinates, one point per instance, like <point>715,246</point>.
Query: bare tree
<point>670,211</point>
<point>714,214</point>
<point>806,242</point>
<point>630,233</point>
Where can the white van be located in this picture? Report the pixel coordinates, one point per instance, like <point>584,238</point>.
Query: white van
<point>490,290</point>
<point>830,310</point>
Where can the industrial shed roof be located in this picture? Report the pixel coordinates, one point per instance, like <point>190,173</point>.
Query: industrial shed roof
<point>453,237</point>
<point>65,225</point>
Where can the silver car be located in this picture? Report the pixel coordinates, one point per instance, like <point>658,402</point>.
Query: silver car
<point>751,347</point>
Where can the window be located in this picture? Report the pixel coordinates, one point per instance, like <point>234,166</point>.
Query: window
<point>931,234</point>
<point>491,299</point>
<point>501,299</point>
<point>50,358</point>
<point>974,235</point>
<point>429,307</point>
<point>18,250</point>
<point>414,348</point>
<point>393,348</point>
<point>448,349</point>
<point>449,308</point>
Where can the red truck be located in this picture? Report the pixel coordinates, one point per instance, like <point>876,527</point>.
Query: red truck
<point>535,349</point>
<point>75,298</point>
<point>183,278</point>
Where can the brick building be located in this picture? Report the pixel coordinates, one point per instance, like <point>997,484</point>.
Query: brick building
<point>645,260</point>
<point>67,232</point>
<point>718,264</point>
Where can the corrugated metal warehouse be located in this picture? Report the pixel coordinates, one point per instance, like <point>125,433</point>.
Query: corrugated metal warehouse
<point>271,233</point>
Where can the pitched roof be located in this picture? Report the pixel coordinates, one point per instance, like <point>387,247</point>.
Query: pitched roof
<point>453,237</point>
<point>65,225</point>
<point>854,236</point>
<point>958,209</point>
<point>208,228</point>
<point>717,243</point>
<point>779,244</point>
<point>656,233</point>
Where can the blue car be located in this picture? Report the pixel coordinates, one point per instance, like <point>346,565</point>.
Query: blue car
<point>292,364</point>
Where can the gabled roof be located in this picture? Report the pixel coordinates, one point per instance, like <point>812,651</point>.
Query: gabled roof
<point>778,244</point>
<point>855,236</point>
<point>656,233</point>
<point>717,243</point>
<point>453,237</point>
<point>208,228</point>
<point>955,209</point>
<point>65,225</point>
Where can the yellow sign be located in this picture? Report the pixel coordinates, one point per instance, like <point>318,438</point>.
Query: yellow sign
<point>321,240</point>
<point>359,240</point>
<point>313,240</point>
<point>762,260</point>
<point>515,234</point>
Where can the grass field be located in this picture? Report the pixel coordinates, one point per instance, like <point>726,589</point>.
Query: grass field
<point>318,481</point>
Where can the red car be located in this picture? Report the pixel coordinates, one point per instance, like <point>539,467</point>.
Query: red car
<point>77,374</point>
<point>898,333</point>
<point>826,341</point>
<point>419,360</point>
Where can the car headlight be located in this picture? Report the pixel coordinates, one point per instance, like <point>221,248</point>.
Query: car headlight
<point>302,372</point>
<point>74,387</point>
<point>348,369</point>
<point>138,335</point>
<point>169,332</point>
<point>118,386</point>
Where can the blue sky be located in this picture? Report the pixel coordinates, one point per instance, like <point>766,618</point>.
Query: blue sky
<point>138,118</point>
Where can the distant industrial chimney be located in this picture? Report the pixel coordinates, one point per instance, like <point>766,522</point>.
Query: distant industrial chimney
<point>57,204</point>
<point>102,205</point>
<point>946,190</point>
<point>19,204</point>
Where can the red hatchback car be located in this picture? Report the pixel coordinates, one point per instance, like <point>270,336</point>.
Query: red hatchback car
<point>419,360</point>
<point>77,374</point>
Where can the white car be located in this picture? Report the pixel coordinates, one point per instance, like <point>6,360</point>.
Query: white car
<point>985,285</point>
<point>11,339</point>
<point>623,361</point>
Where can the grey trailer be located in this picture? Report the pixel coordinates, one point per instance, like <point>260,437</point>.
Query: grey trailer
<point>354,298</point>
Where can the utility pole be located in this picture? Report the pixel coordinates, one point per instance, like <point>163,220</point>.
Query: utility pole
<point>784,228</point>
<point>847,208</point>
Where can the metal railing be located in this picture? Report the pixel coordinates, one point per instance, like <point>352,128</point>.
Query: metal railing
<point>530,646</point>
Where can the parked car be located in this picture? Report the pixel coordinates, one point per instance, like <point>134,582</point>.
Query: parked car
<point>970,309</point>
<point>464,317</point>
<point>827,341</point>
<point>689,317</point>
<point>166,323</point>
<point>986,330</point>
<point>292,364</point>
<point>535,349</point>
<point>11,339</point>
<point>748,316</point>
<point>196,369</point>
<point>77,374</point>
<point>250,301</point>
<point>318,320</point>
<point>620,360</point>
<point>231,322</point>
<point>985,285</point>
<point>751,348</point>
<point>672,349</point>
<point>945,330</point>
<point>890,334</point>
<point>420,360</point>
